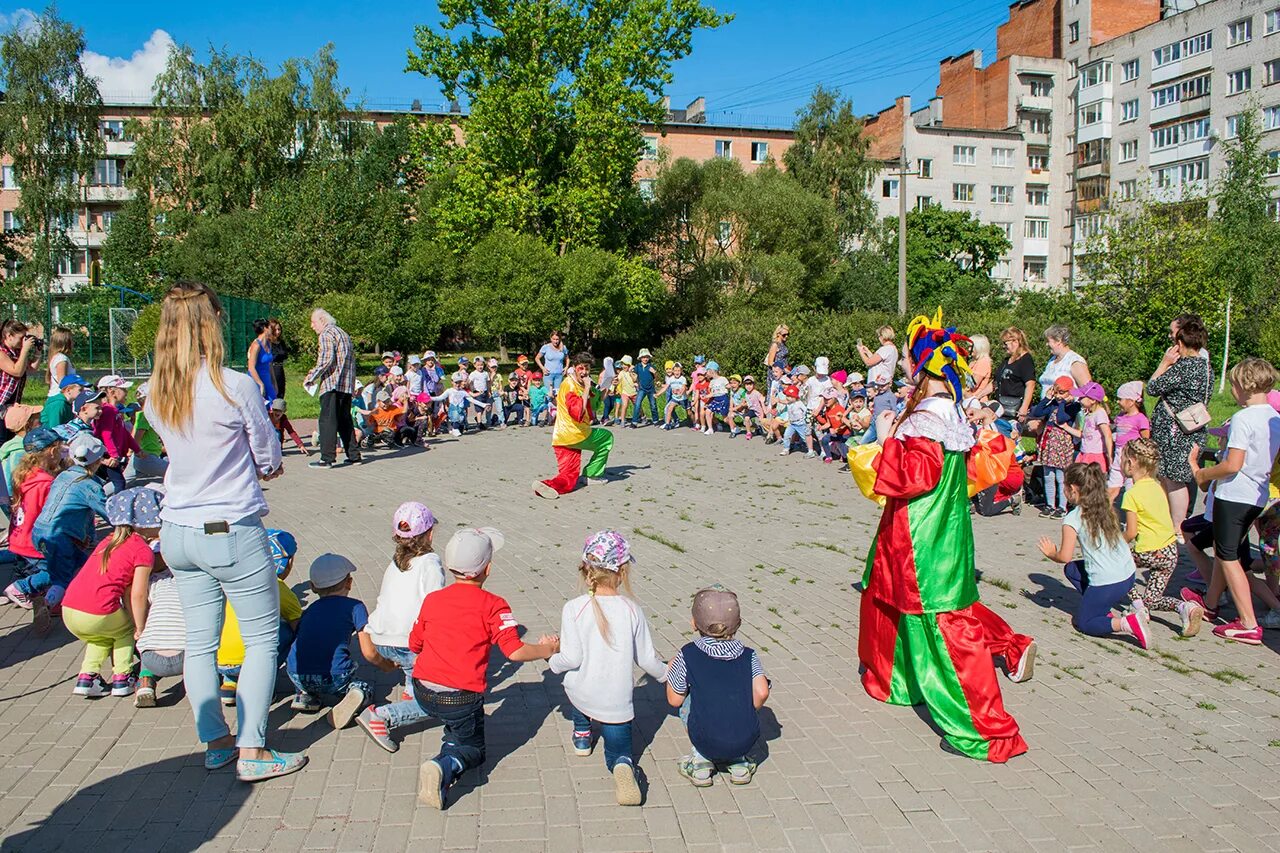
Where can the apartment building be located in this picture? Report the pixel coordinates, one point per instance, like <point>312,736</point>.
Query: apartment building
<point>687,133</point>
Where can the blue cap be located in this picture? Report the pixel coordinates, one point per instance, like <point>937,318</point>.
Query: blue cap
<point>39,438</point>
<point>85,398</point>
<point>698,359</point>
<point>381,370</point>
<point>713,365</point>
<point>137,507</point>
<point>74,379</point>
<point>463,360</point>
<point>283,547</point>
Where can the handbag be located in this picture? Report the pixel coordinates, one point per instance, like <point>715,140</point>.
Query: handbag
<point>1194,417</point>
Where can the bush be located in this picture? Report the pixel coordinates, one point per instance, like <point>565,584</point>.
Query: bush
<point>142,337</point>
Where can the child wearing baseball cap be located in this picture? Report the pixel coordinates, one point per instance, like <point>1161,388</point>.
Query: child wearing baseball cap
<point>451,637</point>
<point>719,686</point>
<point>414,572</point>
<point>319,664</point>
<point>603,634</point>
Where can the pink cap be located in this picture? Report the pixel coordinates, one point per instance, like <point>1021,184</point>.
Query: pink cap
<point>1273,397</point>
<point>413,519</point>
<point>839,376</point>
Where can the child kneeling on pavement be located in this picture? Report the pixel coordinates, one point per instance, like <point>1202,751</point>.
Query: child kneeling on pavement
<point>719,686</point>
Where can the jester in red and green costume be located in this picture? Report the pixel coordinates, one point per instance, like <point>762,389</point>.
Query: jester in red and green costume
<point>924,636</point>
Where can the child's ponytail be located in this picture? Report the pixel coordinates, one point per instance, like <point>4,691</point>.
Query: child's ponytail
<point>118,537</point>
<point>592,577</point>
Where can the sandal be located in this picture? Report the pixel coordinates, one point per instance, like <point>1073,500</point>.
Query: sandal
<point>261,769</point>
<point>697,772</point>
<point>216,759</point>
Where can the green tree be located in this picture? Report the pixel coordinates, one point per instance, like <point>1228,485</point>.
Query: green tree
<point>364,318</point>
<point>506,291</point>
<point>606,297</point>
<point>129,252</point>
<point>49,126</point>
<point>556,90</point>
<point>829,157</point>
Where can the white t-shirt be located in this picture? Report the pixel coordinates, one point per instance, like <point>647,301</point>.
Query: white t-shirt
<point>1256,431</point>
<point>1103,563</point>
<point>884,370</point>
<point>814,387</point>
<point>796,413</point>
<point>1059,366</point>
<point>400,599</point>
<point>599,676</point>
<point>59,358</point>
<point>479,381</point>
<point>678,386</point>
<point>719,386</point>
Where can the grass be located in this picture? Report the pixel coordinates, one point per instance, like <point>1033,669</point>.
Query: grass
<point>659,538</point>
<point>1207,706</point>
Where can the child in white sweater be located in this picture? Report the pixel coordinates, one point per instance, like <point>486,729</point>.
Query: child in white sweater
<point>603,634</point>
<point>414,572</point>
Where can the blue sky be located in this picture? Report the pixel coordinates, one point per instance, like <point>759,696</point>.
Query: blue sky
<point>760,67</point>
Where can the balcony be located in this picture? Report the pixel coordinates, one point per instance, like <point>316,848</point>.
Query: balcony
<point>1093,170</point>
<point>87,239</point>
<point>1191,64</point>
<point>1032,137</point>
<point>99,194</point>
<point>1183,151</point>
<point>1192,106</point>
<point>1092,205</point>
<point>1036,103</point>
<point>120,147</point>
<point>1035,247</point>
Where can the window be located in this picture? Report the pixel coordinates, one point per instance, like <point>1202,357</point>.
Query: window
<point>1037,195</point>
<point>759,152</point>
<point>1037,162</point>
<point>109,219</point>
<point>1176,134</point>
<point>1166,177</point>
<point>1072,68</point>
<point>1006,227</point>
<point>650,150</point>
<point>1273,162</point>
<point>1037,229</point>
<point>964,155</point>
<point>1184,49</point>
<point>1271,118</point>
<point>72,264</point>
<point>1033,270</point>
<point>724,148</point>
<point>1128,151</point>
<point>962,192</point>
<point>1038,124</point>
<point>1088,226</point>
<point>1093,152</point>
<point>1090,114</point>
<point>1273,210</point>
<point>923,201</point>
<point>1001,195</point>
<point>1184,90</point>
<point>1001,269</point>
<point>1272,20</point>
<point>112,129</point>
<point>1239,32</point>
<point>724,233</point>
<point>1128,190</point>
<point>1196,170</point>
<point>889,188</point>
<point>1129,110</point>
<point>1041,87</point>
<point>1239,81</point>
<point>1073,32</point>
<point>645,187</point>
<point>8,178</point>
<point>1233,126</point>
<point>1092,75</point>
<point>11,222</point>
<point>1092,189</point>
<point>1002,157</point>
<point>108,173</point>
<point>1130,70</point>
<point>925,168</point>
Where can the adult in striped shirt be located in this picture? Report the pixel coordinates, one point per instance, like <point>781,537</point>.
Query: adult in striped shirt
<point>335,379</point>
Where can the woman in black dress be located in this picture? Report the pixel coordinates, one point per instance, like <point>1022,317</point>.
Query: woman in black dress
<point>279,352</point>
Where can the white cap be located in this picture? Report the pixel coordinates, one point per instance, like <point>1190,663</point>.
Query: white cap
<point>397,371</point>
<point>460,376</point>
<point>143,390</point>
<point>821,365</point>
<point>330,570</point>
<point>471,549</point>
<point>857,377</point>
<point>113,381</point>
<point>413,359</point>
<point>429,354</point>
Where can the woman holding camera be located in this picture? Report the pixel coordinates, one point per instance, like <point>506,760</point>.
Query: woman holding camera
<point>19,353</point>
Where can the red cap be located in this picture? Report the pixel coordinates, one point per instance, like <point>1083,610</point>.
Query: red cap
<point>1064,382</point>
<point>791,391</point>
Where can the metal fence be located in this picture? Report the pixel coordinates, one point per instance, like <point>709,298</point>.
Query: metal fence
<point>237,331</point>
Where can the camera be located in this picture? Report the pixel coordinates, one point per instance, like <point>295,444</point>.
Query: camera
<point>36,342</point>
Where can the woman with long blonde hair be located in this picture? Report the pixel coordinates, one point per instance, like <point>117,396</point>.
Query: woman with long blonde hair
<point>220,445</point>
<point>60,367</point>
<point>779,353</point>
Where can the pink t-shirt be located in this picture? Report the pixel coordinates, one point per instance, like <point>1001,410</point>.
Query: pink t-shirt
<point>101,593</point>
<point>1129,427</point>
<point>1090,437</point>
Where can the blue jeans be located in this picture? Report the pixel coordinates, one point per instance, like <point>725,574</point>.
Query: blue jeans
<point>328,689</point>
<point>462,713</point>
<point>1055,490</point>
<point>62,559</point>
<point>616,737</point>
<point>211,568</point>
<point>833,447</point>
<point>552,381</point>
<point>1096,602</point>
<point>793,432</point>
<point>642,395</point>
<point>406,711</point>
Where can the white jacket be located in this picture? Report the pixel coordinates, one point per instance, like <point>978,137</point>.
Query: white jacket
<point>400,599</point>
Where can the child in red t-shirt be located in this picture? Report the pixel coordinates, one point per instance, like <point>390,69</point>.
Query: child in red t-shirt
<point>43,459</point>
<point>451,637</point>
<point>97,606</point>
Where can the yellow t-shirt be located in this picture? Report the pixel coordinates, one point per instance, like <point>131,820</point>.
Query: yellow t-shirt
<point>627,383</point>
<point>568,431</point>
<point>1155,525</point>
<point>231,646</point>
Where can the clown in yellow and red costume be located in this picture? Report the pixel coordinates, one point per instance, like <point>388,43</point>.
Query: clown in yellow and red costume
<point>924,636</point>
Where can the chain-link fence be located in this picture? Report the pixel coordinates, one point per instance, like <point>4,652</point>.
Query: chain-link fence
<point>237,331</point>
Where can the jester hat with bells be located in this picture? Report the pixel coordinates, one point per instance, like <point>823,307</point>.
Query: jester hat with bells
<point>940,351</point>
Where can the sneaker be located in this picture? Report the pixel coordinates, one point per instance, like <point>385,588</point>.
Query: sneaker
<point>17,596</point>
<point>227,693</point>
<point>749,436</point>
<point>811,454</point>
<point>1026,665</point>
<point>582,744</point>
<point>1047,512</point>
<point>697,772</point>
<point>376,728</point>
<point>1271,620</point>
<point>455,432</point>
<point>305,702</point>
<point>1194,578</point>
<point>145,695</point>
<point>123,685</point>
<point>1059,513</point>
<point>341,715</point>
<point>625,787</point>
<point>406,696</point>
<point>1137,629</point>
<point>216,759</point>
<point>786,452</point>
<point>1195,598</point>
<point>90,684</point>
<point>355,460</point>
<point>433,784</point>
<point>543,490</point>
<point>740,772</point>
<point>827,460</point>
<point>1139,607</point>
<point>319,463</point>
<point>41,618</point>
<point>1015,504</point>
<point>261,769</point>
<point>1191,615</point>
<point>1235,631</point>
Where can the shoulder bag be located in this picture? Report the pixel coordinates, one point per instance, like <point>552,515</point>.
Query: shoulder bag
<point>1196,416</point>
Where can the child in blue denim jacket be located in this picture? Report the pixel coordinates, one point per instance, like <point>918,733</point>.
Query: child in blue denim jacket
<point>63,532</point>
<point>320,664</point>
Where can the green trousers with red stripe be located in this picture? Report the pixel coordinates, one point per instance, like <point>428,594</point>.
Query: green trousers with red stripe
<point>944,661</point>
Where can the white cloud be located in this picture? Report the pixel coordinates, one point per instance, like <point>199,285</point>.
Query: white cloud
<point>129,80</point>
<point>20,18</point>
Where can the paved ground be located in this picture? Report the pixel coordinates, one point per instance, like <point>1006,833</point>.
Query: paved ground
<point>1178,748</point>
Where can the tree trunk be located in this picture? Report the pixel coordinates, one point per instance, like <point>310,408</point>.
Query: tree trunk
<point>502,349</point>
